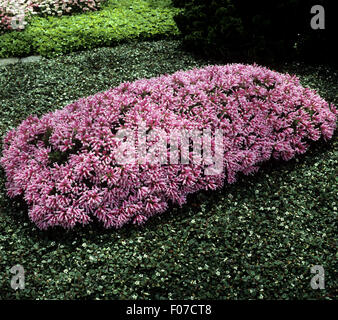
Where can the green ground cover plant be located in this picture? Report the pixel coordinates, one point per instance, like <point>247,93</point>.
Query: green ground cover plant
<point>116,22</point>
<point>256,239</point>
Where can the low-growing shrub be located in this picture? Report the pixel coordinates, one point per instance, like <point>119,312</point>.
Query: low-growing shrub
<point>75,164</point>
<point>52,35</point>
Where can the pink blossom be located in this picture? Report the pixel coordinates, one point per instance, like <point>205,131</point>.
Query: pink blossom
<point>65,164</point>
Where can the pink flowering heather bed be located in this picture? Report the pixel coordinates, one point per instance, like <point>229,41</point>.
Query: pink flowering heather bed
<point>67,166</point>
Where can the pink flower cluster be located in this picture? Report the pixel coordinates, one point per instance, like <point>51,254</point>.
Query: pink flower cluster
<point>15,14</point>
<point>64,164</point>
<point>61,7</point>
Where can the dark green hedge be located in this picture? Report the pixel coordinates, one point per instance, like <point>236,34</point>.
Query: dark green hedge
<point>258,30</point>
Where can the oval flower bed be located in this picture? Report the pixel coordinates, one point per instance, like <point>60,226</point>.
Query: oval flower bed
<point>67,166</point>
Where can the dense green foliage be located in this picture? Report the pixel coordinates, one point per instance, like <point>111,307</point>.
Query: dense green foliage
<point>257,30</point>
<point>118,21</point>
<point>257,238</point>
